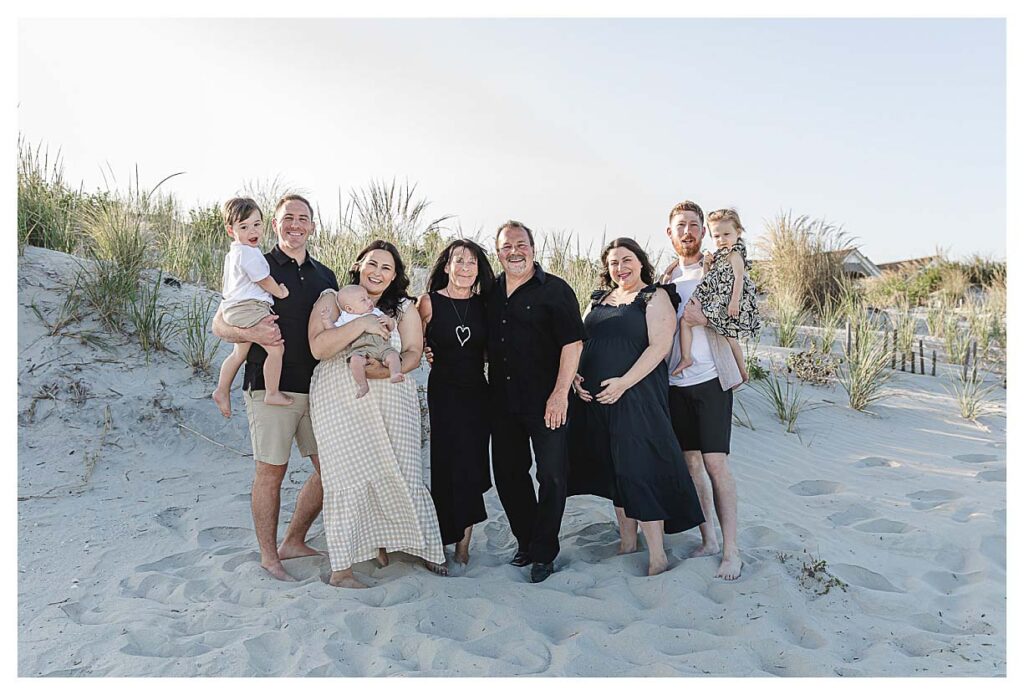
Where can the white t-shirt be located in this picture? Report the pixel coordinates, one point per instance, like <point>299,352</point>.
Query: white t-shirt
<point>346,317</point>
<point>244,266</point>
<point>686,278</point>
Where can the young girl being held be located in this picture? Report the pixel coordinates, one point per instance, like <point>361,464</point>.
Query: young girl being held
<point>725,294</point>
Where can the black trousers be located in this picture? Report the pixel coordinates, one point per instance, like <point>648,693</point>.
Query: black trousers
<point>535,518</point>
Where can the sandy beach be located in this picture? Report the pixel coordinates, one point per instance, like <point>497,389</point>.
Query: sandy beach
<point>136,554</point>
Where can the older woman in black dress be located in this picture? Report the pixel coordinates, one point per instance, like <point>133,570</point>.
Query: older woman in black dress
<point>621,443</point>
<point>455,331</point>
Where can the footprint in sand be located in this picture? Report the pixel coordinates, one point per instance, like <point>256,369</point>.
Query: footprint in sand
<point>995,475</point>
<point>976,458</point>
<point>949,582</point>
<point>221,535</point>
<point>877,462</point>
<point>994,548</point>
<point>170,517</point>
<point>930,499</point>
<point>862,577</point>
<point>852,514</point>
<point>764,537</point>
<point>267,651</point>
<point>813,488</point>
<point>883,526</point>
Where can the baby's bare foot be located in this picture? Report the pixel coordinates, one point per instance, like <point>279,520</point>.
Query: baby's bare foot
<point>362,390</point>
<point>223,401</point>
<point>277,398</point>
<point>397,378</point>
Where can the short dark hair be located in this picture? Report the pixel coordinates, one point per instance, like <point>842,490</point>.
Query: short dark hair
<point>687,205</point>
<point>513,224</point>
<point>290,197</point>
<point>438,278</point>
<point>646,269</point>
<point>238,209</point>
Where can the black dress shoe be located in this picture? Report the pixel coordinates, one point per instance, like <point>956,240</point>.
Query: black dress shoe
<point>541,571</point>
<point>522,559</point>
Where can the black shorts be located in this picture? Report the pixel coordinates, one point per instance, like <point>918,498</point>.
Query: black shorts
<point>701,416</point>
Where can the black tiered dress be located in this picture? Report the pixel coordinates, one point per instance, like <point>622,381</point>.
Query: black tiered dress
<point>627,451</point>
<point>460,471</point>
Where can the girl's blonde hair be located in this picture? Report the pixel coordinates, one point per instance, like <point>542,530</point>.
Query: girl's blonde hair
<point>728,215</point>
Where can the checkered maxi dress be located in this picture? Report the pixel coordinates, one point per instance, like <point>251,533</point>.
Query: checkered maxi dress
<point>374,493</point>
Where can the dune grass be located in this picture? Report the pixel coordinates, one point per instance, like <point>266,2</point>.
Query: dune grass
<point>784,396</point>
<point>47,206</point>
<point>865,368</point>
<point>198,347</point>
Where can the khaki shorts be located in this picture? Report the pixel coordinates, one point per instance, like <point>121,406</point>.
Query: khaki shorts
<point>273,427</point>
<point>246,314</point>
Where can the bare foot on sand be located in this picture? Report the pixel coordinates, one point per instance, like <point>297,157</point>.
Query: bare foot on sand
<point>657,565</point>
<point>441,569</point>
<point>288,551</point>
<point>277,398</point>
<point>462,552</point>
<point>345,580</point>
<point>730,567</point>
<point>223,401</point>
<point>626,548</point>
<point>382,557</point>
<point>705,550</point>
<point>277,571</point>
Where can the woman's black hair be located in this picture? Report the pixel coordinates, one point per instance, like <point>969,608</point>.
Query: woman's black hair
<point>646,269</point>
<point>438,278</point>
<point>397,290</point>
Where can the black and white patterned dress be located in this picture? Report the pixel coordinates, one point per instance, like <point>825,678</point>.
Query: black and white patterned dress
<point>715,291</point>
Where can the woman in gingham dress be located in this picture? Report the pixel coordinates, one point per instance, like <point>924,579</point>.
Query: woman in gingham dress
<point>375,499</point>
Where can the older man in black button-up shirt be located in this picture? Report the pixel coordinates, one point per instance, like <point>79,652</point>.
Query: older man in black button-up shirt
<point>534,341</point>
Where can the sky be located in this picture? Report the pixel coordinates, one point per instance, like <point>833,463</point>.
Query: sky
<point>893,129</point>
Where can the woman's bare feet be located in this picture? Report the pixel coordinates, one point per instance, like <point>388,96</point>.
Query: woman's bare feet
<point>382,557</point>
<point>223,401</point>
<point>626,548</point>
<point>277,398</point>
<point>730,567</point>
<point>441,569</point>
<point>344,579</point>
<point>657,564</point>
<point>462,548</point>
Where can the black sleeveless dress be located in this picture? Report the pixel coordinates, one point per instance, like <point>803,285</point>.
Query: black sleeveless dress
<point>460,471</point>
<point>627,451</point>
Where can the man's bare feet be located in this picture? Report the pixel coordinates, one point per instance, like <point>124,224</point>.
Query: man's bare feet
<point>657,565</point>
<point>277,398</point>
<point>362,390</point>
<point>276,570</point>
<point>730,567</point>
<point>288,551</point>
<point>344,579</point>
<point>382,557</point>
<point>397,378</point>
<point>462,552</point>
<point>441,569</point>
<point>223,401</point>
<point>704,550</point>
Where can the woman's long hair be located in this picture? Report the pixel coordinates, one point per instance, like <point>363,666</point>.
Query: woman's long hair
<point>646,269</point>
<point>397,290</point>
<point>438,278</point>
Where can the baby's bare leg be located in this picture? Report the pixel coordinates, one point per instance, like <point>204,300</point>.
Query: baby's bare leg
<point>228,369</point>
<point>394,364</point>
<point>685,347</point>
<point>737,352</point>
<point>272,377</point>
<point>357,363</point>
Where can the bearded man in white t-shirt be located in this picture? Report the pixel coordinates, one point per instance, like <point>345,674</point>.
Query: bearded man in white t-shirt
<point>699,402</point>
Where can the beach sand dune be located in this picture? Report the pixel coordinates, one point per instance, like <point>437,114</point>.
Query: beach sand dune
<point>136,555</point>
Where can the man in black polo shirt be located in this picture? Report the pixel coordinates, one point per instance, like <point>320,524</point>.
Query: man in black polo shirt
<point>273,427</point>
<point>534,341</point>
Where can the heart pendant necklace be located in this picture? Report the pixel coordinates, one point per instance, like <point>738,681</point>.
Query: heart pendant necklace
<point>462,331</point>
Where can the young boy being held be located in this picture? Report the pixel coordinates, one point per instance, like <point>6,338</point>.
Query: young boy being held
<point>249,293</point>
<point>354,303</point>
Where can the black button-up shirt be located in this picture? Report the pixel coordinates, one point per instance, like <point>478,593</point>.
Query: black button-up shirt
<point>525,336</point>
<point>305,283</point>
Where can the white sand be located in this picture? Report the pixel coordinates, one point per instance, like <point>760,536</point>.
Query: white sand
<point>150,567</point>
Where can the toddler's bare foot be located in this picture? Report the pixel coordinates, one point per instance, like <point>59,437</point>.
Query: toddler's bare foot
<point>223,401</point>
<point>277,398</point>
<point>683,364</point>
<point>397,378</point>
<point>362,390</point>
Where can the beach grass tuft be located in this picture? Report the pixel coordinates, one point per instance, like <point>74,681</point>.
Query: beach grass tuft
<point>864,371</point>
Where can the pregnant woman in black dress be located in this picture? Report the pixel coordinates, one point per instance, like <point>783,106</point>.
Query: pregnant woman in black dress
<point>455,330</point>
<point>621,443</point>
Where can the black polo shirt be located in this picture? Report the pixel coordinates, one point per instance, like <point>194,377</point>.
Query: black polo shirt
<point>525,336</point>
<point>305,283</point>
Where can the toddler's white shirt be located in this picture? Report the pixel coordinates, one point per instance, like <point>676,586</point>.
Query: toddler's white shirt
<point>244,266</point>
